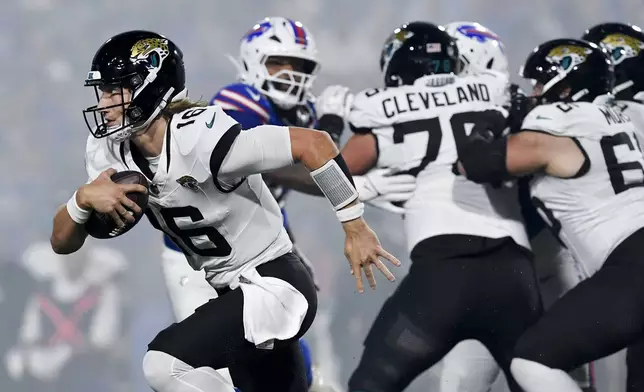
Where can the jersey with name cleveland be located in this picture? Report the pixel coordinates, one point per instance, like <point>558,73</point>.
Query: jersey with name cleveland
<point>223,226</point>
<point>603,204</point>
<point>419,129</point>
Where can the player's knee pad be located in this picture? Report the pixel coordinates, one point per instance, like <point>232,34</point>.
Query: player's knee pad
<point>535,377</point>
<point>165,373</point>
<point>308,360</point>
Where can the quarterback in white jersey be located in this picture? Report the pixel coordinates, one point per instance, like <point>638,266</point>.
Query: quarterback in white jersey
<point>462,237</point>
<point>588,183</point>
<point>205,191</point>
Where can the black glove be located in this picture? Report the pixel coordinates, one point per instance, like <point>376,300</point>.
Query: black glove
<point>333,125</point>
<point>520,106</point>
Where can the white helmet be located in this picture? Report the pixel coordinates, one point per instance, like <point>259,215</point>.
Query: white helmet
<point>479,48</point>
<point>271,39</point>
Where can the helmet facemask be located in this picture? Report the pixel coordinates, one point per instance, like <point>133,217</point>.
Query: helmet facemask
<point>290,84</point>
<point>132,116</point>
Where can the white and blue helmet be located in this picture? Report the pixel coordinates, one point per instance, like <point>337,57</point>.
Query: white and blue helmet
<point>480,48</point>
<point>279,38</point>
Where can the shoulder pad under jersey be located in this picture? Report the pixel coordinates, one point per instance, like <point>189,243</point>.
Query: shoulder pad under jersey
<point>192,127</point>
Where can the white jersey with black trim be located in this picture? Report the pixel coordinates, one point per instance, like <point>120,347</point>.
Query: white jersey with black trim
<point>593,212</point>
<point>204,194</point>
<point>418,129</point>
<point>635,111</point>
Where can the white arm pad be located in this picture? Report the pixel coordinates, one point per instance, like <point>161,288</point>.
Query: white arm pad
<point>257,150</point>
<point>334,184</point>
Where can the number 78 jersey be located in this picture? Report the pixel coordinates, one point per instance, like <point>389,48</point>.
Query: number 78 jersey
<point>593,212</point>
<point>419,129</point>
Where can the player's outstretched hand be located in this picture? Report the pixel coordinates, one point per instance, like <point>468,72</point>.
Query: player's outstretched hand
<point>336,100</point>
<point>107,197</point>
<point>363,250</point>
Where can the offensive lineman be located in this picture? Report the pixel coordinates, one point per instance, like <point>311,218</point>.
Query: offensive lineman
<point>277,66</point>
<point>587,185</point>
<point>625,44</point>
<point>205,193</point>
<point>463,238</point>
<point>469,367</point>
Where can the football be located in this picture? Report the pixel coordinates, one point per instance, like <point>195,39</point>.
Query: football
<point>102,225</point>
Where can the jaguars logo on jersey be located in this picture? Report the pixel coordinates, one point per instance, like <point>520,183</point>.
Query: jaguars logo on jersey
<point>568,56</point>
<point>188,182</point>
<point>622,47</point>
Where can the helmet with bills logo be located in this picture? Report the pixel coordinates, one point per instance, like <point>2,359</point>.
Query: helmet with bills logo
<point>278,57</point>
<point>480,48</point>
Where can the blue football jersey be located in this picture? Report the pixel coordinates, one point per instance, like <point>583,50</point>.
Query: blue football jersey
<point>251,108</point>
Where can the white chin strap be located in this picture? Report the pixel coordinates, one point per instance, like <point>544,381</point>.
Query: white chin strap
<point>621,87</point>
<point>560,76</point>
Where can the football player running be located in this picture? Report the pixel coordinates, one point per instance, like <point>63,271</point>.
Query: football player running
<point>587,184</point>
<point>469,367</point>
<point>226,221</point>
<point>463,238</point>
<point>277,67</point>
<point>625,45</point>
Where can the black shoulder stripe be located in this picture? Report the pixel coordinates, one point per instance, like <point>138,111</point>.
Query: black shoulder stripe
<point>167,145</point>
<point>219,154</point>
<point>122,153</point>
<point>355,129</point>
<point>585,167</point>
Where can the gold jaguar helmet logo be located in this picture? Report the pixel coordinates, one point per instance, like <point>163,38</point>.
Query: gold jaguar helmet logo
<point>622,47</point>
<point>568,56</point>
<point>152,50</point>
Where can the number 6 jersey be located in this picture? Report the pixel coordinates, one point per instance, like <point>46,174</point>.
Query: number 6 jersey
<point>419,129</point>
<point>202,191</point>
<point>595,211</point>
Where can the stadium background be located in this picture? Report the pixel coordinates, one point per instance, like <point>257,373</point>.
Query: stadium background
<point>46,48</point>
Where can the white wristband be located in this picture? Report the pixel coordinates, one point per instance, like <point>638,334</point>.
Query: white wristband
<point>350,213</point>
<point>77,214</point>
<point>334,184</point>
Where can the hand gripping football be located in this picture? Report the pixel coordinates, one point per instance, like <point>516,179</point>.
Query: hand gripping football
<point>102,225</point>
